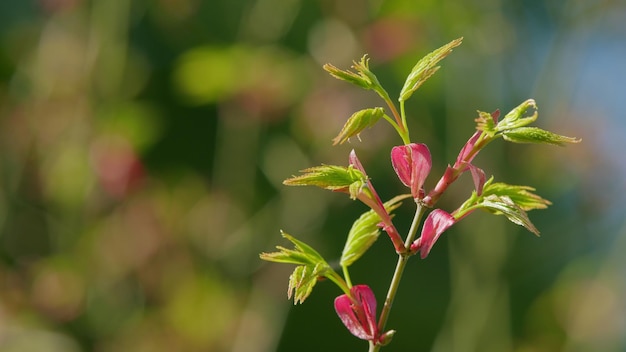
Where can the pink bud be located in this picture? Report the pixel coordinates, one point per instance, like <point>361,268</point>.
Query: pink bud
<point>412,164</point>
<point>465,153</point>
<point>436,223</point>
<point>358,313</point>
<point>354,161</point>
<point>478,175</point>
<point>495,116</point>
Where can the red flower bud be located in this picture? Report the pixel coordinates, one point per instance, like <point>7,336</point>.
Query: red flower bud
<point>358,313</point>
<point>436,223</point>
<point>412,164</point>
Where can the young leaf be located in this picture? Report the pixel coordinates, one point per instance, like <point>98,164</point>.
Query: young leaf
<point>302,254</point>
<point>487,122</point>
<point>522,115</point>
<point>348,76</point>
<point>522,196</point>
<point>363,77</point>
<point>357,123</point>
<point>302,281</point>
<point>331,177</point>
<point>365,232</point>
<point>504,205</point>
<point>311,266</point>
<point>426,68</point>
<point>536,135</point>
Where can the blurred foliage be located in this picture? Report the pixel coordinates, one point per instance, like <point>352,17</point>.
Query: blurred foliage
<point>143,145</point>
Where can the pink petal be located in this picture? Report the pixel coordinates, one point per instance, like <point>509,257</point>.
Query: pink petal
<point>478,175</point>
<point>401,164</point>
<point>412,164</point>
<point>495,116</point>
<point>436,223</point>
<point>354,161</point>
<point>464,156</point>
<point>358,314</point>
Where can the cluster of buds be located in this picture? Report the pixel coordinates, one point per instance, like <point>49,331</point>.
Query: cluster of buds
<point>412,163</point>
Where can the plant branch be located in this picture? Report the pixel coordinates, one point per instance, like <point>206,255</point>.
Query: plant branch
<point>397,275</point>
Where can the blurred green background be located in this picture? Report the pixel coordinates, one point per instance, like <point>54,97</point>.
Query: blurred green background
<point>143,145</point>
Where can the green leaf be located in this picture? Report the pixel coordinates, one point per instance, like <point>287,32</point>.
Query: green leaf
<point>502,199</point>
<point>536,135</point>
<point>426,68</point>
<point>504,205</point>
<point>522,196</point>
<point>363,77</point>
<point>522,115</point>
<point>302,281</point>
<point>302,254</point>
<point>311,266</point>
<point>365,232</point>
<point>331,177</point>
<point>357,79</point>
<point>357,123</point>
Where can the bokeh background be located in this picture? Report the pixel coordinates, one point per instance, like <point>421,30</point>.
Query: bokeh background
<point>143,145</point>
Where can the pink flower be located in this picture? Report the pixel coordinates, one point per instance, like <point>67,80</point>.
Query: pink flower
<point>436,223</point>
<point>412,164</point>
<point>358,313</point>
<point>465,155</point>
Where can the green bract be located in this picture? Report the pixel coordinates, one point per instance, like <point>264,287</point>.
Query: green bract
<point>426,68</point>
<point>359,121</point>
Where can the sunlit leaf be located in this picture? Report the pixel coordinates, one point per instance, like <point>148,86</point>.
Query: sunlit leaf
<point>363,77</point>
<point>522,196</point>
<point>302,281</point>
<point>522,115</point>
<point>426,68</point>
<point>505,206</point>
<point>536,135</point>
<point>302,254</point>
<point>359,121</point>
<point>311,266</point>
<point>329,177</point>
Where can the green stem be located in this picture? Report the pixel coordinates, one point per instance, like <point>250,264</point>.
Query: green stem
<point>338,280</point>
<point>403,116</point>
<point>400,120</point>
<point>397,275</point>
<point>346,275</point>
<point>373,347</point>
<point>394,124</point>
